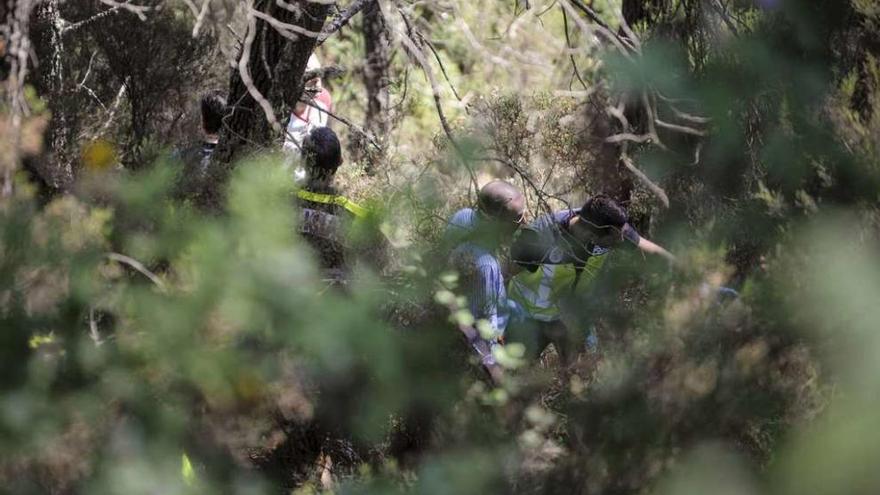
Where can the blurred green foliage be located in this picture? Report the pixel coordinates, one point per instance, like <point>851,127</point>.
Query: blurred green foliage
<point>137,332</point>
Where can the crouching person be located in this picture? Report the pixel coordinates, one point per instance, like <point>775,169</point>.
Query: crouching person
<point>477,235</point>
<point>559,256</point>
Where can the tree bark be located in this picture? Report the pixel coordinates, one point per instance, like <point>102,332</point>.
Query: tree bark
<point>275,65</point>
<point>377,43</point>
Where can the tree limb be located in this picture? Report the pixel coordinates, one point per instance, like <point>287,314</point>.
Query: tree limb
<point>342,19</point>
<point>139,267</point>
<point>657,190</point>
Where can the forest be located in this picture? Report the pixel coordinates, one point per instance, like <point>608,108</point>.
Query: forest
<point>439,246</point>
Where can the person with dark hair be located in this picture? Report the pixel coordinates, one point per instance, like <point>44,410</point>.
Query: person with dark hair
<point>324,213</point>
<point>477,234</point>
<point>197,157</point>
<point>564,251</point>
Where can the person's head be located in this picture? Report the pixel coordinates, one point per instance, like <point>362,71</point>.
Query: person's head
<point>322,153</point>
<point>603,222</point>
<point>503,204</point>
<point>213,105</point>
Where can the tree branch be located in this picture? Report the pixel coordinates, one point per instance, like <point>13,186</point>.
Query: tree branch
<point>342,19</point>
<point>139,267</point>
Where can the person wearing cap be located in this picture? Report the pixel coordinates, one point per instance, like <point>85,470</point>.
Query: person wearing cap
<point>560,253</point>
<point>477,234</point>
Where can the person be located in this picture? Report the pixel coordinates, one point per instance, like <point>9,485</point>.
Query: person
<point>324,213</point>
<point>559,255</point>
<point>196,158</point>
<point>477,234</point>
<point>310,112</point>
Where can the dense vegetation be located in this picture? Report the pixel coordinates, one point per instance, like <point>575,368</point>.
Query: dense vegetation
<point>153,343</point>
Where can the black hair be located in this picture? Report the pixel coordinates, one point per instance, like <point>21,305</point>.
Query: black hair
<point>600,210</point>
<point>322,153</point>
<point>213,109</point>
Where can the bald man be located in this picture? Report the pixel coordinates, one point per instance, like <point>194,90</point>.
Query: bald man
<point>477,234</point>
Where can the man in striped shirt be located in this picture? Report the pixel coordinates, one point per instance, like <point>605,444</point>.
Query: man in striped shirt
<point>478,234</point>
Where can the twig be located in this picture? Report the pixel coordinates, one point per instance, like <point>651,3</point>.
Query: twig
<point>632,138</point>
<point>687,116</point>
<point>725,16</point>
<point>652,118</point>
<point>410,44</point>
<point>323,73</point>
<point>574,66</point>
<point>289,31</point>
<point>236,36</point>
<point>624,46</point>
<point>192,7</point>
<point>82,84</point>
<point>244,71</point>
<point>93,328</point>
<point>200,18</point>
<point>442,67</point>
<point>657,190</point>
<point>342,19</point>
<point>139,267</point>
<point>351,125</point>
<point>84,22</point>
<point>679,128</point>
<point>112,112</point>
<point>138,10</point>
<point>617,112</point>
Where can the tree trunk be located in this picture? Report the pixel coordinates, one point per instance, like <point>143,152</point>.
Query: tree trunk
<point>377,43</point>
<point>275,65</point>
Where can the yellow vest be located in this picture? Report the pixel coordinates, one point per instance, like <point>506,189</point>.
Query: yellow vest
<point>333,199</point>
<point>539,292</point>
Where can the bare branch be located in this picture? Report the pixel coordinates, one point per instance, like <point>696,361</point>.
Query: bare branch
<point>73,27</point>
<point>139,267</point>
<point>371,139</point>
<point>93,328</point>
<point>657,190</point>
<point>652,117</point>
<point>575,70</point>
<point>138,10</point>
<point>289,31</point>
<point>679,128</point>
<point>200,18</point>
<point>245,73</point>
<point>617,112</point>
<point>696,119</point>
<point>412,48</point>
<point>342,19</point>
<point>623,45</point>
<point>324,72</point>
<point>629,137</point>
<point>112,112</point>
<point>442,67</point>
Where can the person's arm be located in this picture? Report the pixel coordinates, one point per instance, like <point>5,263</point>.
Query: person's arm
<point>630,234</point>
<point>487,288</point>
<point>650,247</point>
